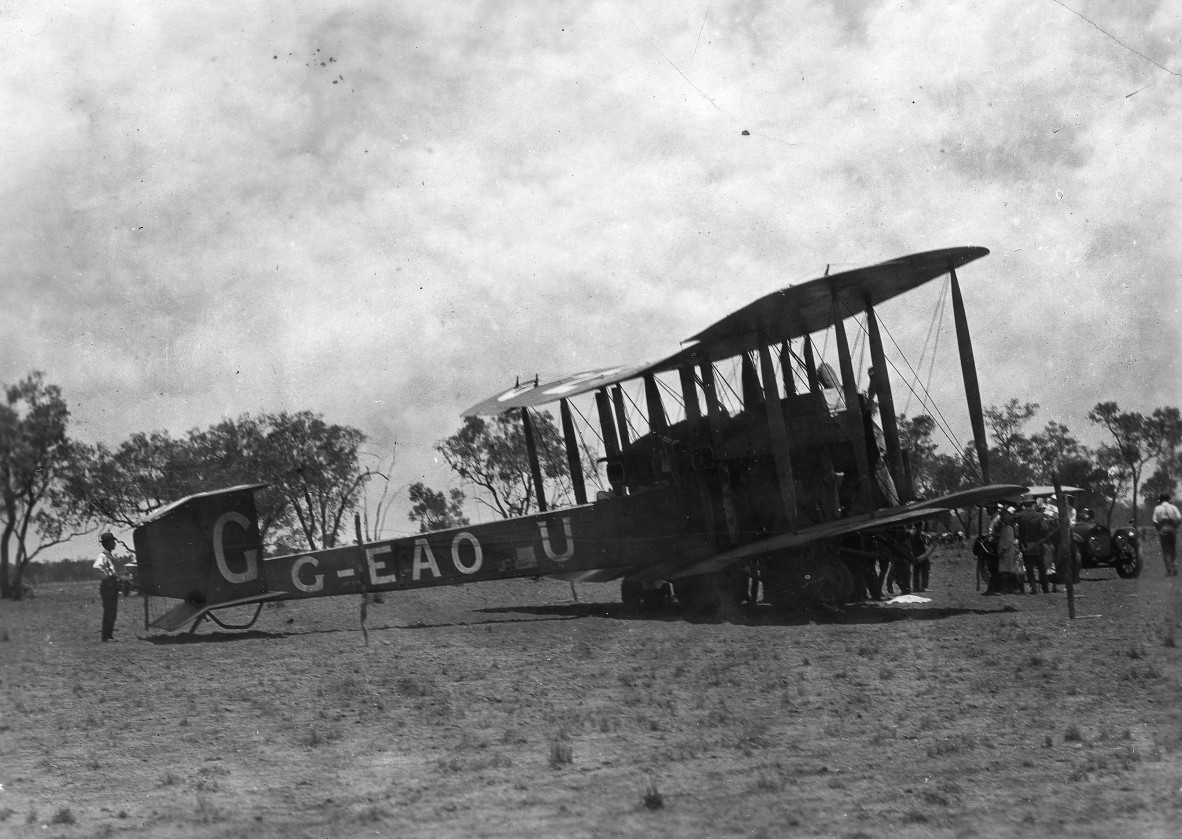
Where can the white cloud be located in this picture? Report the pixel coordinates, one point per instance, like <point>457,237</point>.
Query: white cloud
<point>200,223</point>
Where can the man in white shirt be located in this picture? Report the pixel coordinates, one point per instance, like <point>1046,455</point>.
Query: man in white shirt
<point>109,587</point>
<point>1166,518</point>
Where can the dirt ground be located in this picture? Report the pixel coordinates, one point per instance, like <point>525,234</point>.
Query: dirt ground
<point>506,709</point>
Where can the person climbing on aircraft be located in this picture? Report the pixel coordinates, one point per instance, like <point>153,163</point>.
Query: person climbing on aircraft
<point>831,388</point>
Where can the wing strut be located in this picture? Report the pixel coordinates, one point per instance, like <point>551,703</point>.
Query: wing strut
<point>574,463</point>
<point>752,390</point>
<point>656,408</point>
<point>810,365</point>
<point>713,405</point>
<point>786,369</point>
<point>779,433</point>
<point>535,467</point>
<point>969,370</point>
<point>621,415</point>
<point>881,382</point>
<point>611,443</point>
<point>855,422</point>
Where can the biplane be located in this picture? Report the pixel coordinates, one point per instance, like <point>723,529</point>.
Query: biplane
<point>791,481</point>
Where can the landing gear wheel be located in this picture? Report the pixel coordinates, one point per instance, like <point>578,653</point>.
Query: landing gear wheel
<point>711,593</point>
<point>829,582</point>
<point>1128,563</point>
<point>632,596</point>
<point>802,580</point>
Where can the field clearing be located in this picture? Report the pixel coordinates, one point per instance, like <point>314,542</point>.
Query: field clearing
<point>505,709</point>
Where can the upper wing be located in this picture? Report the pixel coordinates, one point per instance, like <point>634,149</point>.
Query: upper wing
<point>532,394</point>
<point>801,310</point>
<point>792,312</point>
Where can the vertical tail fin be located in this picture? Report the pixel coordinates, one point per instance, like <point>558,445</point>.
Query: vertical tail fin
<point>204,549</point>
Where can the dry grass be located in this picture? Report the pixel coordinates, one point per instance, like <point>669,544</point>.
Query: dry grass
<point>502,710</point>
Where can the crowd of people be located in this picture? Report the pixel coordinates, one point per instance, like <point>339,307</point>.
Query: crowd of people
<point>894,560</point>
<point>1019,547</point>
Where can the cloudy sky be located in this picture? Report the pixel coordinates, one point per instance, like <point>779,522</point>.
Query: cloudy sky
<point>384,212</point>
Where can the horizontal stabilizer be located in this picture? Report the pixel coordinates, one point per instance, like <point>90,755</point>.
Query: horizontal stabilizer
<point>179,615</point>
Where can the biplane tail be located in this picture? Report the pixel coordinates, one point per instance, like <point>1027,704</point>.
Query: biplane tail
<point>204,550</point>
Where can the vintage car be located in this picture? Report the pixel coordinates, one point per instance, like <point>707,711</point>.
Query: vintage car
<point>1098,546</point>
<point>1094,543</point>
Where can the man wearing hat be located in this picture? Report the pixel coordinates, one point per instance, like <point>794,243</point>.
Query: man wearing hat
<point>1166,518</point>
<point>109,587</point>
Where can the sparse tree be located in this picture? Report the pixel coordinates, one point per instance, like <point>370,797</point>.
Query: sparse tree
<point>1137,441</point>
<point>316,466</point>
<point>1113,480</point>
<point>1013,452</point>
<point>1051,449</point>
<point>491,454</point>
<point>124,485</point>
<point>915,438</point>
<point>312,469</point>
<point>435,511</point>
<point>36,455</point>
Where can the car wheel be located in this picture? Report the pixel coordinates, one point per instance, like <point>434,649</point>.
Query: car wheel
<point>1128,562</point>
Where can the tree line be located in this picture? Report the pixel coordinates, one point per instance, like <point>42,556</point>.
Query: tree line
<point>1107,474</point>
<point>55,488</point>
<point>490,455</point>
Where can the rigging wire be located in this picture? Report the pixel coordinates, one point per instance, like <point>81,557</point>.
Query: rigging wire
<point>636,409</point>
<point>567,488</point>
<point>937,317</point>
<point>941,421</point>
<point>591,458</point>
<point>926,399</point>
<point>935,346</point>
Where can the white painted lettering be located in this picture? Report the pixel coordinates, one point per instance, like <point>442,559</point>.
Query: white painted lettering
<point>377,568</point>
<point>219,550</point>
<point>570,542</point>
<point>424,560</point>
<point>317,583</point>
<point>478,553</point>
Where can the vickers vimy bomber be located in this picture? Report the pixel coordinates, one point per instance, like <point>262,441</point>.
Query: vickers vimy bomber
<point>787,476</point>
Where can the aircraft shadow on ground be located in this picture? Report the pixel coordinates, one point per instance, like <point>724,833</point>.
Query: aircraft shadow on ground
<point>758,616</point>
<point>257,635</point>
<point>214,637</point>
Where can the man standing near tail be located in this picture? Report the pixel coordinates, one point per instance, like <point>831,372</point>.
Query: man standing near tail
<point>109,587</point>
<point>1166,518</point>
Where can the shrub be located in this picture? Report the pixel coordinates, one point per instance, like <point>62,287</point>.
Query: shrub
<point>652,799</point>
<point>561,753</point>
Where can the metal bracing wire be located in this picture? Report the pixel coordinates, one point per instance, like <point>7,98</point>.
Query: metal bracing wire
<point>591,458</point>
<point>941,421</point>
